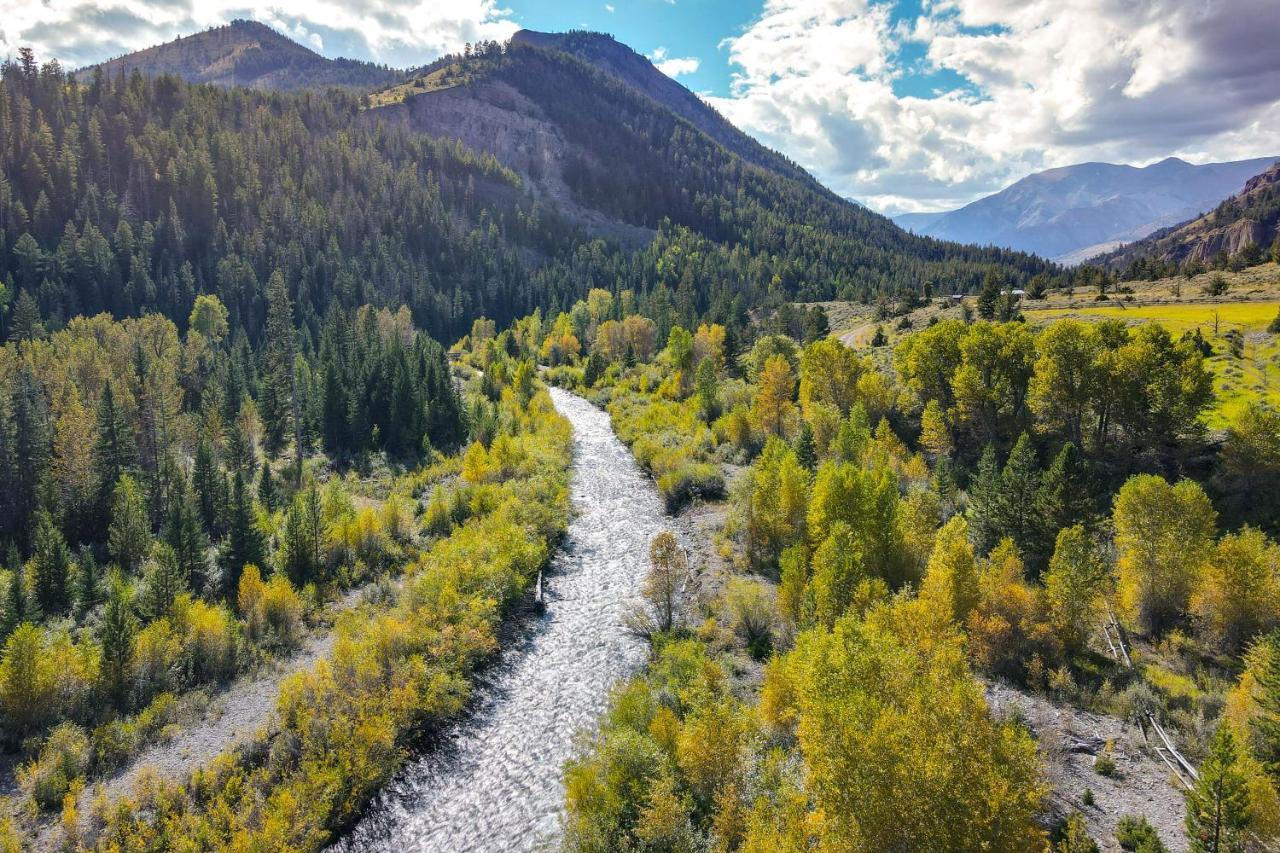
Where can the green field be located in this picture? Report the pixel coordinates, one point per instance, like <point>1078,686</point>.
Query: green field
<point>1254,375</point>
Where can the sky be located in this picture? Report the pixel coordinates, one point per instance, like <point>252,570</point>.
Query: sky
<point>903,105</point>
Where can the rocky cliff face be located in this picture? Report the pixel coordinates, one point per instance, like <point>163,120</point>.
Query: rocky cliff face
<point>494,118</point>
<point>1250,217</point>
<point>622,63</point>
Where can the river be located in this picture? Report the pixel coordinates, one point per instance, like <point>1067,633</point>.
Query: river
<point>494,783</point>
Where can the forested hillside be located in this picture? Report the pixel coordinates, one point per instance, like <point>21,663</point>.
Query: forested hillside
<point>133,193</point>
<point>592,141</point>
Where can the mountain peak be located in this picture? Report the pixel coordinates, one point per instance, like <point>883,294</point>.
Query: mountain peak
<point>248,53</point>
<point>1071,213</point>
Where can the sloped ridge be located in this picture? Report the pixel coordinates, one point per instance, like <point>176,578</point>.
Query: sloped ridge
<point>1251,217</point>
<point>249,54</point>
<point>617,60</point>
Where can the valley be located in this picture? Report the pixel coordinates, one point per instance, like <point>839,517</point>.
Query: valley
<point>510,451</point>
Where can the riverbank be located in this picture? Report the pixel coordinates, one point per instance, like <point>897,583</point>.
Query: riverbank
<point>493,781</point>
<point>394,670</point>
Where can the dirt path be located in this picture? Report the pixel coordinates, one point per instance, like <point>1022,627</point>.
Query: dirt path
<point>1142,786</point>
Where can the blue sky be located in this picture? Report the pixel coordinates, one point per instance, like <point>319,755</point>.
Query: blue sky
<point>699,29</point>
<point>905,105</point>
<point>692,28</point>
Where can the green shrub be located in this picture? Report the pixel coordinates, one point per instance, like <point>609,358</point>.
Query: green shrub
<point>1133,832</point>
<point>63,759</point>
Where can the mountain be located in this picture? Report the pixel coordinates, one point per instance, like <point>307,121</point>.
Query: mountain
<point>508,179</point>
<point>1249,218</point>
<point>621,62</point>
<point>250,54</point>
<point>605,139</point>
<point>1075,212</point>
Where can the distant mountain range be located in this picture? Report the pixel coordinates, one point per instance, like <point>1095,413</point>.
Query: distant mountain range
<point>1073,213</point>
<point>1250,217</point>
<point>249,54</point>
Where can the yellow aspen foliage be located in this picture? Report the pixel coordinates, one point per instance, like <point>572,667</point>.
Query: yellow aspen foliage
<point>773,410</point>
<point>249,600</point>
<point>775,502</point>
<point>664,728</point>
<point>824,421</point>
<point>881,724</point>
<point>935,436</point>
<point>664,821</point>
<point>793,585</point>
<point>837,571</point>
<point>1163,537</point>
<point>778,696</point>
<point>951,579</point>
<point>611,340</point>
<point>1238,596</point>
<point>919,516</point>
<point>642,336</point>
<point>708,342</point>
<point>829,374</point>
<point>1011,624</point>
<point>475,464</point>
<point>877,393</point>
<point>709,746</point>
<point>1074,585</point>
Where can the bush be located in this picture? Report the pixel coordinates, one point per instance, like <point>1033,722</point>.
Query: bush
<point>750,607</point>
<point>689,483</point>
<point>63,759</point>
<point>1133,832</point>
<point>113,743</point>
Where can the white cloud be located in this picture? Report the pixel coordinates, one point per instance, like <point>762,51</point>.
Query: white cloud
<point>1048,82</point>
<point>396,32</point>
<point>673,66</point>
<point>608,7</point>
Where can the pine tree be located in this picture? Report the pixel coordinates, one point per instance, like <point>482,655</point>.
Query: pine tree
<point>115,635</point>
<point>31,450</point>
<point>1019,517</point>
<point>86,592</point>
<point>989,296</point>
<point>50,566</point>
<point>186,537</point>
<point>302,537</point>
<point>129,535</point>
<point>806,453</point>
<point>1218,806</point>
<point>210,488</point>
<point>15,604</point>
<point>163,581</point>
<point>708,389</point>
<point>1266,725</point>
<point>114,452</point>
<point>984,505</point>
<point>1064,497</point>
<point>267,488</point>
<point>244,543</point>
<point>279,398</point>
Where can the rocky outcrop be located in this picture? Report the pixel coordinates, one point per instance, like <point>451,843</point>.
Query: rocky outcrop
<point>1252,217</point>
<point>494,118</point>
